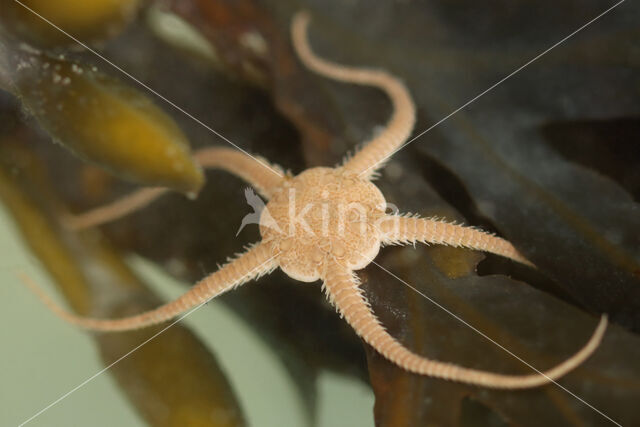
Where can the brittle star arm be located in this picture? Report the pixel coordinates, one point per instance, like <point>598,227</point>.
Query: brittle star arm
<point>262,177</point>
<point>399,126</point>
<point>342,288</point>
<point>256,262</point>
<point>401,230</point>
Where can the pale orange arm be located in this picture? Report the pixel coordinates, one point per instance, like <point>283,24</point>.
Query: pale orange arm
<point>262,176</point>
<point>342,288</point>
<point>256,262</point>
<point>399,127</point>
<point>255,170</point>
<point>114,210</point>
<point>401,230</point>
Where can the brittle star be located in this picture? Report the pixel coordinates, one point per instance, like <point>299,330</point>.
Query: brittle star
<point>326,223</point>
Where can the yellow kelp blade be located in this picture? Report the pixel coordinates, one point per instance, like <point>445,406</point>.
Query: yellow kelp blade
<point>85,20</point>
<point>103,120</point>
<point>173,371</point>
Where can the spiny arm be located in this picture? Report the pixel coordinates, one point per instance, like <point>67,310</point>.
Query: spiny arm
<point>114,210</point>
<point>400,230</point>
<point>257,171</point>
<point>399,127</point>
<point>263,177</point>
<point>343,291</point>
<point>256,262</point>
